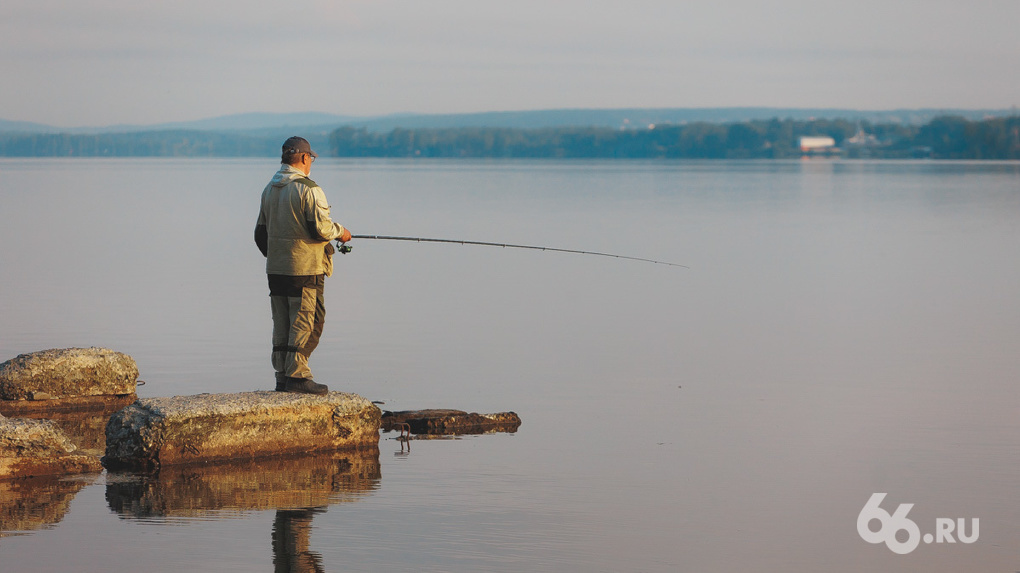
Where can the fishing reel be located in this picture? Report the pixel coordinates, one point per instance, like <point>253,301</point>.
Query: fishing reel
<point>343,248</point>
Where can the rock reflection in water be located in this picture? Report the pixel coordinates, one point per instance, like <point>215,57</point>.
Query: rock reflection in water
<point>251,485</point>
<point>36,503</point>
<point>296,487</point>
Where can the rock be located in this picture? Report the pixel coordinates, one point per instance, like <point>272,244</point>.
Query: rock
<point>67,373</point>
<point>451,421</point>
<point>37,448</point>
<point>82,420</point>
<point>284,482</point>
<point>156,432</point>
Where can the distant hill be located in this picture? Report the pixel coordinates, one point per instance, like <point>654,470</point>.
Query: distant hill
<point>259,121</point>
<point>227,123</point>
<point>643,117</point>
<point>25,127</point>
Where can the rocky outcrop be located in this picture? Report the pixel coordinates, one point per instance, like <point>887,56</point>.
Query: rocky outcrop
<point>58,402</point>
<point>39,448</point>
<point>157,432</point>
<point>448,422</point>
<point>67,374</point>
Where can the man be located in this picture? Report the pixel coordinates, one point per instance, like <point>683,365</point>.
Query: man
<point>293,232</point>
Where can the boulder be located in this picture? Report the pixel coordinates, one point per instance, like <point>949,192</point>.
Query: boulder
<point>445,422</point>
<point>156,432</point>
<point>38,448</point>
<point>69,373</point>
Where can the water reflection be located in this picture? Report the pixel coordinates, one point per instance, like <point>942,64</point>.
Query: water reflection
<point>291,552</point>
<point>36,503</point>
<point>197,491</point>
<point>298,488</point>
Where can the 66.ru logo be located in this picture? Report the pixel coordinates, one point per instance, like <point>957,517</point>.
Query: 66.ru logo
<point>890,525</point>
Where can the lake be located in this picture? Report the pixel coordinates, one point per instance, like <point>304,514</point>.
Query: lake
<point>843,329</point>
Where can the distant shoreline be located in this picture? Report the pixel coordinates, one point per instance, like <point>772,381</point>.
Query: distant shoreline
<point>946,137</point>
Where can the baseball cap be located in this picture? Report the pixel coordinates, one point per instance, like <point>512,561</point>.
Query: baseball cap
<point>298,145</point>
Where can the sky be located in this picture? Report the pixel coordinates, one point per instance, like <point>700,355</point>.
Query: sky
<point>76,63</point>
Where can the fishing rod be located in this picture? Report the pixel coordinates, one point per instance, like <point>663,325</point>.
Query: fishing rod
<point>345,248</point>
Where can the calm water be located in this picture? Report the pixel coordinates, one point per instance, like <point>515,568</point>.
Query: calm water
<point>844,329</point>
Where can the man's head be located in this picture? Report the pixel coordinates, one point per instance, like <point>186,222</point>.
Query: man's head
<point>298,153</point>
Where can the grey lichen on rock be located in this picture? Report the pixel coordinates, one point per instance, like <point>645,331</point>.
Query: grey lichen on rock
<point>154,432</point>
<point>38,447</point>
<point>67,373</point>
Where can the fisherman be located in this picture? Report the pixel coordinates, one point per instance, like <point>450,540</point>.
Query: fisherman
<point>294,231</point>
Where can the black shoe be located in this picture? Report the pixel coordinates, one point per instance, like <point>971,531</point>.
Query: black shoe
<point>306,386</point>
<point>281,382</point>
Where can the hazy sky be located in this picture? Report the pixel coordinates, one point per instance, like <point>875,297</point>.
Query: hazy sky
<point>98,62</point>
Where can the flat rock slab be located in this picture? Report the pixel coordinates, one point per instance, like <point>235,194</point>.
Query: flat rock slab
<point>155,432</point>
<point>67,373</point>
<point>39,448</point>
<point>437,421</point>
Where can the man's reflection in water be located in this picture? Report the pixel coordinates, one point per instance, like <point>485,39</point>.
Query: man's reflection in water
<point>291,530</point>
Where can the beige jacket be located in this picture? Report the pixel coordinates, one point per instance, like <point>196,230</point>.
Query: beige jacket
<point>294,227</point>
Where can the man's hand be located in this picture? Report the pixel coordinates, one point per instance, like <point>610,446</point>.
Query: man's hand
<point>345,237</point>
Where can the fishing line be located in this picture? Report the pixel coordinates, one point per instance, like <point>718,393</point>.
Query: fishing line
<point>345,248</point>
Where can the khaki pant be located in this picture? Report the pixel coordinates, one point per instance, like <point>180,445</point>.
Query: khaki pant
<point>299,312</point>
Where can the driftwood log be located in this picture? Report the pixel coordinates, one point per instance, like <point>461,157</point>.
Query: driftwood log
<point>438,421</point>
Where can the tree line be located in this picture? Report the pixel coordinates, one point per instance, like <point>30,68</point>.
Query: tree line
<point>178,143</point>
<point>942,138</point>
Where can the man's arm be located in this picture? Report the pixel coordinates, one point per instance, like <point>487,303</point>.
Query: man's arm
<point>320,225</point>
<point>262,239</point>
<point>262,234</point>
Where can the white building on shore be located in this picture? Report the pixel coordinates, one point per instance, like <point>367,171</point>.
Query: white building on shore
<point>818,144</point>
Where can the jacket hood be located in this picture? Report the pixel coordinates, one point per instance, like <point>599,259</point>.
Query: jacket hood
<point>285,175</point>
